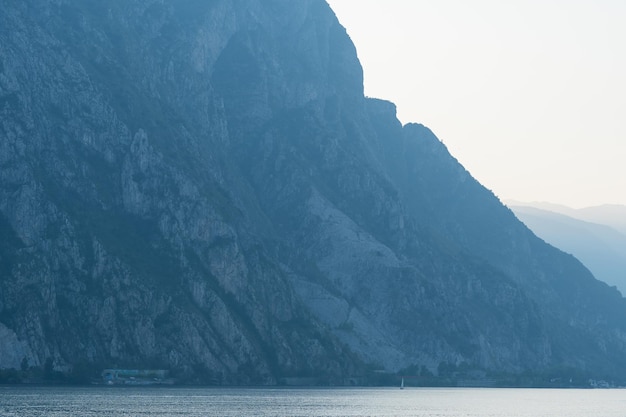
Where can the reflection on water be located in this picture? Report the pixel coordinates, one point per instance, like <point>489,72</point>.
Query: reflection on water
<point>418,402</point>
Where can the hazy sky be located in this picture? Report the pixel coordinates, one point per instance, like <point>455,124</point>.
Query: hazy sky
<point>529,95</point>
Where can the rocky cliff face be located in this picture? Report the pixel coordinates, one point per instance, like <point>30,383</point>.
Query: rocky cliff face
<point>202,186</point>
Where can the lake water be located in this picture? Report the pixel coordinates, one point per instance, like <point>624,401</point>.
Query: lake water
<point>224,402</point>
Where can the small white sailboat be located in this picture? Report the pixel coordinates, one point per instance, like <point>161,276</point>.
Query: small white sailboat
<point>402,383</point>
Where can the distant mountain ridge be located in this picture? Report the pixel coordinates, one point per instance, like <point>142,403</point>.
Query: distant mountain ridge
<point>202,186</point>
<point>612,215</point>
<point>595,235</point>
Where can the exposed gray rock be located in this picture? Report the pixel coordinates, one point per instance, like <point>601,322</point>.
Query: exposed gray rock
<point>202,186</point>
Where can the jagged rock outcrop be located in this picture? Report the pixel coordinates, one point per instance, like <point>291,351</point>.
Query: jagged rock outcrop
<point>203,186</point>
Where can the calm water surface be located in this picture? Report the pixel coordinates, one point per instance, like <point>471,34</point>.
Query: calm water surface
<point>418,402</point>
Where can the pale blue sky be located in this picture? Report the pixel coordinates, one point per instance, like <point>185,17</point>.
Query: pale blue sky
<point>529,95</point>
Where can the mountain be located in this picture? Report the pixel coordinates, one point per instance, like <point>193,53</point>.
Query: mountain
<point>600,245</point>
<point>611,215</point>
<point>201,186</point>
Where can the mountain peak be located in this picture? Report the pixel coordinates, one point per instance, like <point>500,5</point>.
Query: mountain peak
<point>203,187</point>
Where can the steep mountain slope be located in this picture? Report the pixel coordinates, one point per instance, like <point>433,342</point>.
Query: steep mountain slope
<point>202,186</point>
<point>600,247</point>
<point>129,237</point>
